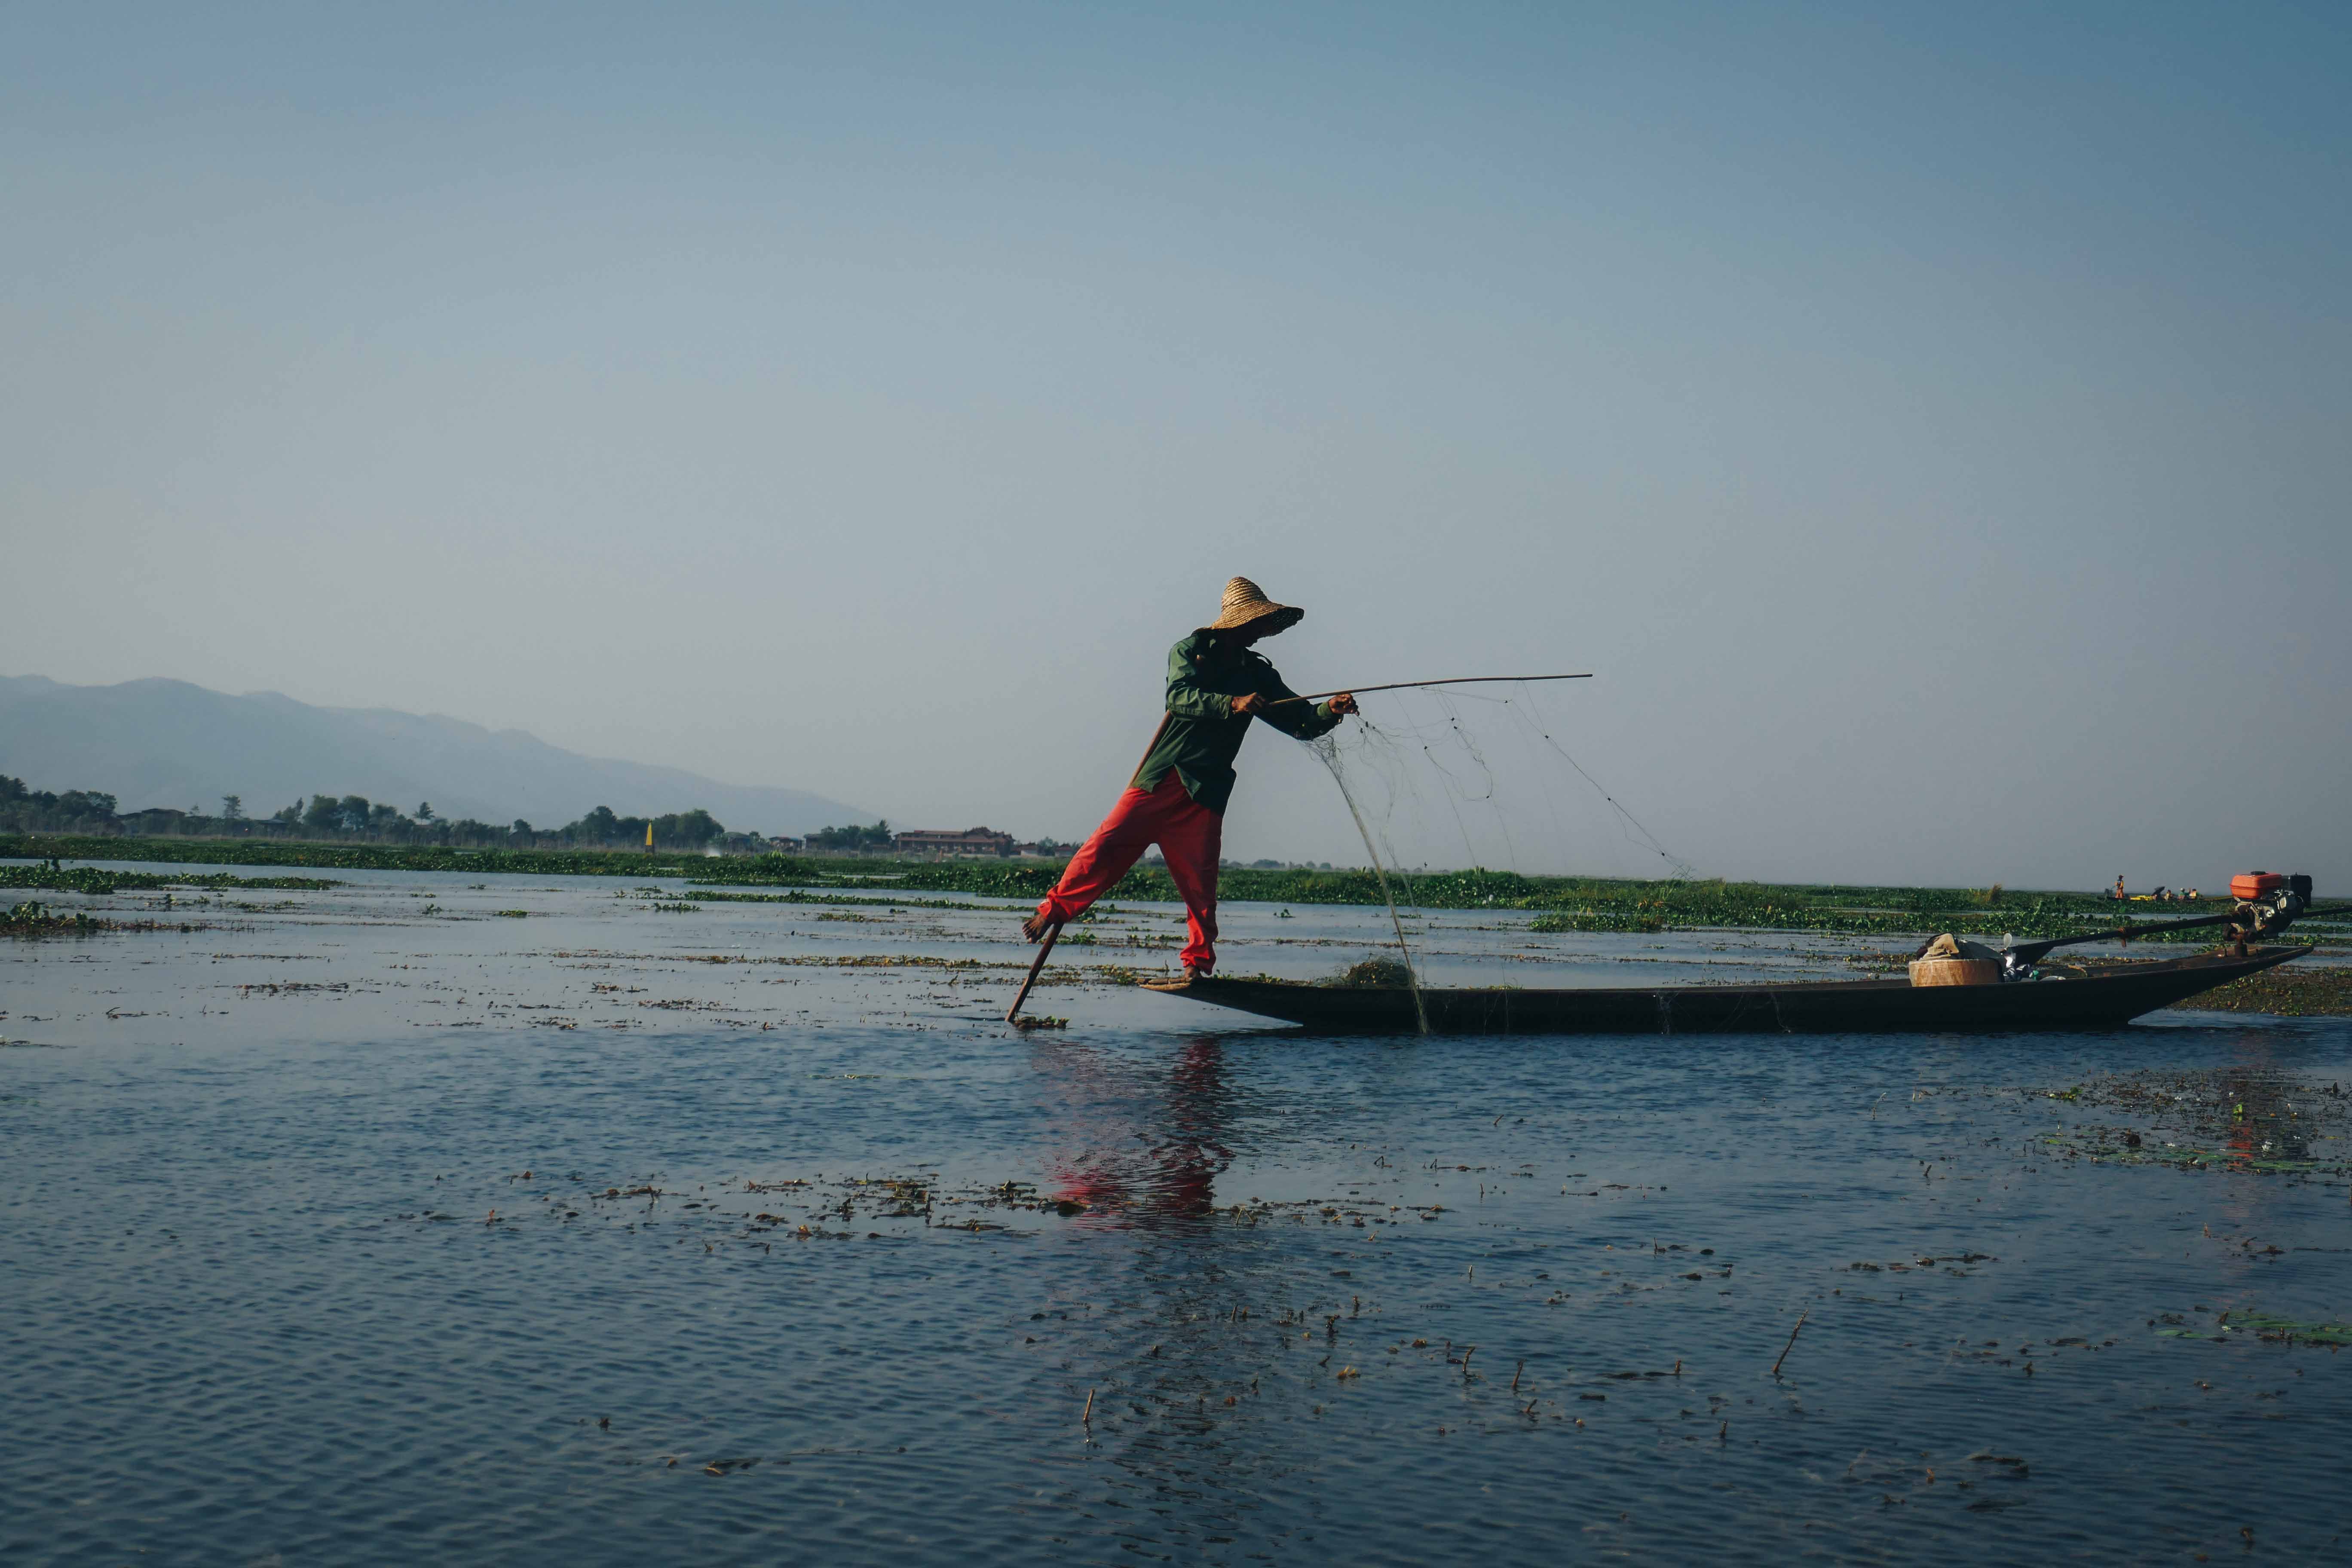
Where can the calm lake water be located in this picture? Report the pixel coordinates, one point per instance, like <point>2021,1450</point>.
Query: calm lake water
<point>374,1226</point>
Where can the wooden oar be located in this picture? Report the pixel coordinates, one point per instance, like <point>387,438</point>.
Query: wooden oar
<point>1053,934</point>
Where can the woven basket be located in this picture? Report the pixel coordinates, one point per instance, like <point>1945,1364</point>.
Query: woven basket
<point>1955,972</point>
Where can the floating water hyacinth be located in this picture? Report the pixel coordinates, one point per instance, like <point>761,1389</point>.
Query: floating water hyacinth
<point>2235,1325</point>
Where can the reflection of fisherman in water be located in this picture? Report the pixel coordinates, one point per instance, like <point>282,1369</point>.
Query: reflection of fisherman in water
<point>1143,1141</point>
<point>1143,1135</point>
<point>2266,1118</point>
<point>2263,1122</point>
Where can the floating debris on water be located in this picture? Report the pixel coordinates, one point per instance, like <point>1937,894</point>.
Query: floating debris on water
<point>1379,972</point>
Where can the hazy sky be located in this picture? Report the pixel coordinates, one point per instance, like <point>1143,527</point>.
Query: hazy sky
<point>1933,423</point>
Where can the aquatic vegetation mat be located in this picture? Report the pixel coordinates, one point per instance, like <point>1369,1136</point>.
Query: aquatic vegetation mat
<point>101,880</point>
<point>2220,1119</point>
<point>1562,903</point>
<point>2302,989</point>
<point>36,920</point>
<point>2251,1325</point>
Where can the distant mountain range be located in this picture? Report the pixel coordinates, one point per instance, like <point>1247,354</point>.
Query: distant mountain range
<point>165,742</point>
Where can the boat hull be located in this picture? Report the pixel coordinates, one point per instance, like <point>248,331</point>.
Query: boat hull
<point>2099,1001</point>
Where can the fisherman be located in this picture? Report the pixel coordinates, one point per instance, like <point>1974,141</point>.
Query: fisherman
<point>1216,684</point>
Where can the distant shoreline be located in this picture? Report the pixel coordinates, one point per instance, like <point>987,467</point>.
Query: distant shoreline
<point>1560,903</point>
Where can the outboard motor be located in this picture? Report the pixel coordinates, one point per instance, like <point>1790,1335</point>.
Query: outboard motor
<point>2268,902</point>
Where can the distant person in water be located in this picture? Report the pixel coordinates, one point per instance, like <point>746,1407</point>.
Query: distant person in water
<point>1216,685</point>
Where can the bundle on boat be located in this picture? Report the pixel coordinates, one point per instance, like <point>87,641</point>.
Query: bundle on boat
<point>1952,961</point>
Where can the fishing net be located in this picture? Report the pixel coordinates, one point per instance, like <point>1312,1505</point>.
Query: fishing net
<point>1325,749</point>
<point>1481,779</point>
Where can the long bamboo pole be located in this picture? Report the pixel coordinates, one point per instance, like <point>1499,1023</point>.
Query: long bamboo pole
<point>1407,685</point>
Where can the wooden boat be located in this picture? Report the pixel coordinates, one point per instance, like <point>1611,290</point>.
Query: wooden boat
<point>2101,999</point>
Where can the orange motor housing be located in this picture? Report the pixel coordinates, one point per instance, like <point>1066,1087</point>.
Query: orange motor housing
<point>2253,885</point>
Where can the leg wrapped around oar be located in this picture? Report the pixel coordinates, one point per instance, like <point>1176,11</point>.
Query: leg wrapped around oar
<point>1188,833</point>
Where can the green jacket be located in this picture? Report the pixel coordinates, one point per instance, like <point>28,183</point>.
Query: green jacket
<point>1202,735</point>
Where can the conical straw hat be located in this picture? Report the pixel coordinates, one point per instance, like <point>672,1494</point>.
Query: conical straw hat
<point>1246,603</point>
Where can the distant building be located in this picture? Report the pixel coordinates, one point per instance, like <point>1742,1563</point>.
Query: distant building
<point>935,841</point>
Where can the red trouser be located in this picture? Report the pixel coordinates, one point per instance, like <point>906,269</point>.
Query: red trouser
<point>1187,832</point>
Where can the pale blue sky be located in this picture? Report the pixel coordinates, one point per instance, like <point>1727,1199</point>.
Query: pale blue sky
<point>1929,421</point>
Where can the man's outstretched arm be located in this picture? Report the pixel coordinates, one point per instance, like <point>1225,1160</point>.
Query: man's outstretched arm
<point>1293,718</point>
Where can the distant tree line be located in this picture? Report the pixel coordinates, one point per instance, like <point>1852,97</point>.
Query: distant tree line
<point>357,818</point>
<point>24,810</point>
<point>852,839</point>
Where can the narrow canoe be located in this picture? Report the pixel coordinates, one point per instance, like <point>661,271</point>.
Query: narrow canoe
<point>2102,1000</point>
